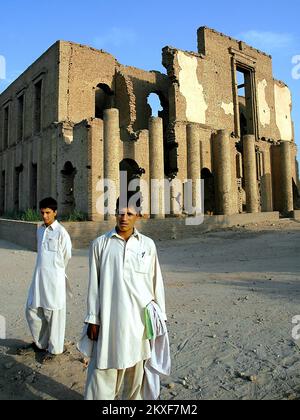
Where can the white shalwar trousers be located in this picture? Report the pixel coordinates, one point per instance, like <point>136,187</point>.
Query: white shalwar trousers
<point>107,384</point>
<point>47,328</point>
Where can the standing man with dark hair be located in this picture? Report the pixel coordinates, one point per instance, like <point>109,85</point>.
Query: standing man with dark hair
<point>125,277</point>
<point>46,304</point>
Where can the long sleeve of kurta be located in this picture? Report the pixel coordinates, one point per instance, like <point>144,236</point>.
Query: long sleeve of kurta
<point>159,291</point>
<point>66,248</point>
<point>93,301</point>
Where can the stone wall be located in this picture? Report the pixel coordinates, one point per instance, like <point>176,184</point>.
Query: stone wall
<point>20,233</point>
<point>83,233</point>
<point>34,146</point>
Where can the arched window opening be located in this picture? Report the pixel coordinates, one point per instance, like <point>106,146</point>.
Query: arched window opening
<point>155,104</point>
<point>158,106</point>
<point>103,99</point>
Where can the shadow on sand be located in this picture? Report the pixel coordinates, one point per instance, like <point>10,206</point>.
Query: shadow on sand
<point>19,381</point>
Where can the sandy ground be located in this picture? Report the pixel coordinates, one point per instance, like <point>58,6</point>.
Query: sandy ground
<point>231,297</point>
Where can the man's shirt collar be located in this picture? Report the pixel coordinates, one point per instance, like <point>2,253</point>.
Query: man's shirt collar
<point>53,226</point>
<point>114,232</point>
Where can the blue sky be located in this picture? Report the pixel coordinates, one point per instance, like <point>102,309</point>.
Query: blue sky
<point>136,31</point>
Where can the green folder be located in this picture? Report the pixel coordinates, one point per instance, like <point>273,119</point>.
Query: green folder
<point>148,325</point>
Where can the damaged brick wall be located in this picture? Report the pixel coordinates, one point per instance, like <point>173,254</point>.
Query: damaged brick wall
<point>201,88</point>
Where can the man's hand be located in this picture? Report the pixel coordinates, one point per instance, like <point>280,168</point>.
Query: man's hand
<point>93,332</point>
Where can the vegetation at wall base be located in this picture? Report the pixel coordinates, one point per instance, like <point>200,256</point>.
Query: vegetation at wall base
<point>31,215</point>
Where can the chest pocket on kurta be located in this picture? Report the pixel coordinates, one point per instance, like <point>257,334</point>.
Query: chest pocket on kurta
<point>143,264</point>
<point>53,244</point>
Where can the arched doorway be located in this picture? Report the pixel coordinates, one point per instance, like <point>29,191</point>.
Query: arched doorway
<point>209,191</point>
<point>68,199</point>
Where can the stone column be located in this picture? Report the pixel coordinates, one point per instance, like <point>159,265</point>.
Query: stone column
<point>94,135</point>
<point>111,154</point>
<point>157,173</point>
<point>222,165</point>
<point>286,178</point>
<point>250,174</point>
<point>266,184</point>
<point>193,160</point>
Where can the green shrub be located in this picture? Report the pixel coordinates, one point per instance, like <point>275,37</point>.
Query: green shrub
<point>76,216</point>
<point>31,215</point>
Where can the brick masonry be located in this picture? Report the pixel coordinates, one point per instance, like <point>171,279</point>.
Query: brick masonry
<point>52,127</point>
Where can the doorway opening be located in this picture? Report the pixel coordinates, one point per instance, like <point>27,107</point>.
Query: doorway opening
<point>209,191</point>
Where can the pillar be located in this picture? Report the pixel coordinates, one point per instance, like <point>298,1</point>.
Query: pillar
<point>193,160</point>
<point>266,184</point>
<point>157,172</point>
<point>286,178</point>
<point>250,174</point>
<point>111,156</point>
<point>222,165</point>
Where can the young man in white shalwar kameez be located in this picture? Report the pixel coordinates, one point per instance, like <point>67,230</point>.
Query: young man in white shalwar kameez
<point>125,277</point>
<point>46,304</point>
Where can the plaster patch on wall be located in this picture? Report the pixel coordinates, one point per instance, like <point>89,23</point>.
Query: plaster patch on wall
<point>263,107</point>
<point>228,108</point>
<point>191,89</point>
<point>283,104</point>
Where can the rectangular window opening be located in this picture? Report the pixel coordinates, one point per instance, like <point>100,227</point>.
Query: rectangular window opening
<point>33,187</point>
<point>18,172</point>
<point>2,192</point>
<point>38,106</point>
<point>20,118</point>
<point>245,100</point>
<point>5,128</point>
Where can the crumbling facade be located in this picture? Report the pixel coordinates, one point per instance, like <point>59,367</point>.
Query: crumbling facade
<point>76,116</point>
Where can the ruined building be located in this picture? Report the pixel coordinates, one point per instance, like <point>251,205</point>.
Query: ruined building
<point>76,116</point>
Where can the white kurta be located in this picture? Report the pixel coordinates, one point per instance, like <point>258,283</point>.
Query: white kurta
<point>48,287</point>
<point>124,278</point>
